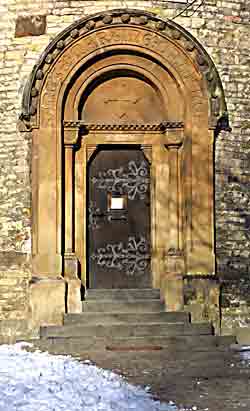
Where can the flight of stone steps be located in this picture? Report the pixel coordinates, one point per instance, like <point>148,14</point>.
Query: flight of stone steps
<point>128,320</point>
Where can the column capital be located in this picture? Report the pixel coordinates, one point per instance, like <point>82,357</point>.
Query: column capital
<point>174,139</point>
<point>173,252</point>
<point>71,135</point>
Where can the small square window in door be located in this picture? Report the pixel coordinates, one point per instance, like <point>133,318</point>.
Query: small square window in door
<point>117,203</point>
<point>117,206</point>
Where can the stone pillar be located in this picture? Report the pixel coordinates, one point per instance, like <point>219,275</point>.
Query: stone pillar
<point>172,282</point>
<point>73,288</point>
<point>47,286</point>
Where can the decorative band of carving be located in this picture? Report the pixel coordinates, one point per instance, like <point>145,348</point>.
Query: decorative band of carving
<point>124,127</point>
<point>126,17</point>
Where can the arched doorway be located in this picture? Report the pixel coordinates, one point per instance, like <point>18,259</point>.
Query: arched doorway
<point>117,81</point>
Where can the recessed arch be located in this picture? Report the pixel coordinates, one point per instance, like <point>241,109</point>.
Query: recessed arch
<point>129,59</point>
<point>128,86</point>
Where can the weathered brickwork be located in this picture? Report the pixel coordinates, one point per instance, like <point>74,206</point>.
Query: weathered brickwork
<point>14,299</point>
<point>223,28</point>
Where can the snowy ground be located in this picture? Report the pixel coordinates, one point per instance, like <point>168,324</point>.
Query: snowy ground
<point>37,381</point>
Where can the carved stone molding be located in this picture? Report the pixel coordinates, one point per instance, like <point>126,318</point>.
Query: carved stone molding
<point>135,18</point>
<point>133,127</point>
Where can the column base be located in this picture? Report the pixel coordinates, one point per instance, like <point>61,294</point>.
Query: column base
<point>73,290</point>
<point>73,296</point>
<point>172,280</point>
<point>46,302</point>
<point>172,292</point>
<point>202,299</point>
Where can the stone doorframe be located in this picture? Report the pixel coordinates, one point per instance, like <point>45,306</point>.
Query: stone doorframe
<point>180,150</point>
<point>158,142</point>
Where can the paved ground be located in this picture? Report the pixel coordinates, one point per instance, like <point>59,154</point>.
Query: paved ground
<point>195,381</point>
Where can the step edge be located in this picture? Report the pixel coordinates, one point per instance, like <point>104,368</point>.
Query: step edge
<point>188,325</point>
<point>144,335</point>
<point>61,327</point>
<point>149,300</point>
<point>75,315</point>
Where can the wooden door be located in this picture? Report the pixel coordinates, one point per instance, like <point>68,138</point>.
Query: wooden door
<point>119,219</point>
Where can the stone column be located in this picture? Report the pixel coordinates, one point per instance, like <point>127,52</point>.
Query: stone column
<point>173,197</point>
<point>47,286</point>
<point>174,258</point>
<point>69,198</point>
<point>73,291</point>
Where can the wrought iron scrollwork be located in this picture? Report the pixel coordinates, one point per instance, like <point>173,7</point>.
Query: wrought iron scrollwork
<point>134,181</point>
<point>133,259</point>
<point>94,214</point>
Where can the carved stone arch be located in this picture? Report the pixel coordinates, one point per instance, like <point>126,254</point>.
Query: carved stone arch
<point>167,28</point>
<point>176,72</point>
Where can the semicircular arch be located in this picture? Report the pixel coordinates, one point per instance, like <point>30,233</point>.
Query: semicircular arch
<point>130,18</point>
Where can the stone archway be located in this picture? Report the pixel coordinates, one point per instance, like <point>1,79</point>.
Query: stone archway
<point>68,119</point>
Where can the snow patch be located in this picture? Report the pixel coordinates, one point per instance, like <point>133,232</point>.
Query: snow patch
<point>31,381</point>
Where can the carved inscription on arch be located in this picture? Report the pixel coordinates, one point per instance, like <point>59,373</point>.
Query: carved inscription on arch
<point>49,96</point>
<point>114,37</point>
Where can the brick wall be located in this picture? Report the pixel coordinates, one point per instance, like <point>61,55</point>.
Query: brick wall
<point>222,27</point>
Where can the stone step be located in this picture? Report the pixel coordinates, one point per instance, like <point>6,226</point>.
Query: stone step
<point>83,345</point>
<point>126,330</point>
<point>123,306</point>
<point>176,344</point>
<point>169,358</point>
<point>212,364</point>
<point>127,294</point>
<point>116,317</point>
<point>215,369</point>
<point>189,363</point>
<point>217,362</point>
